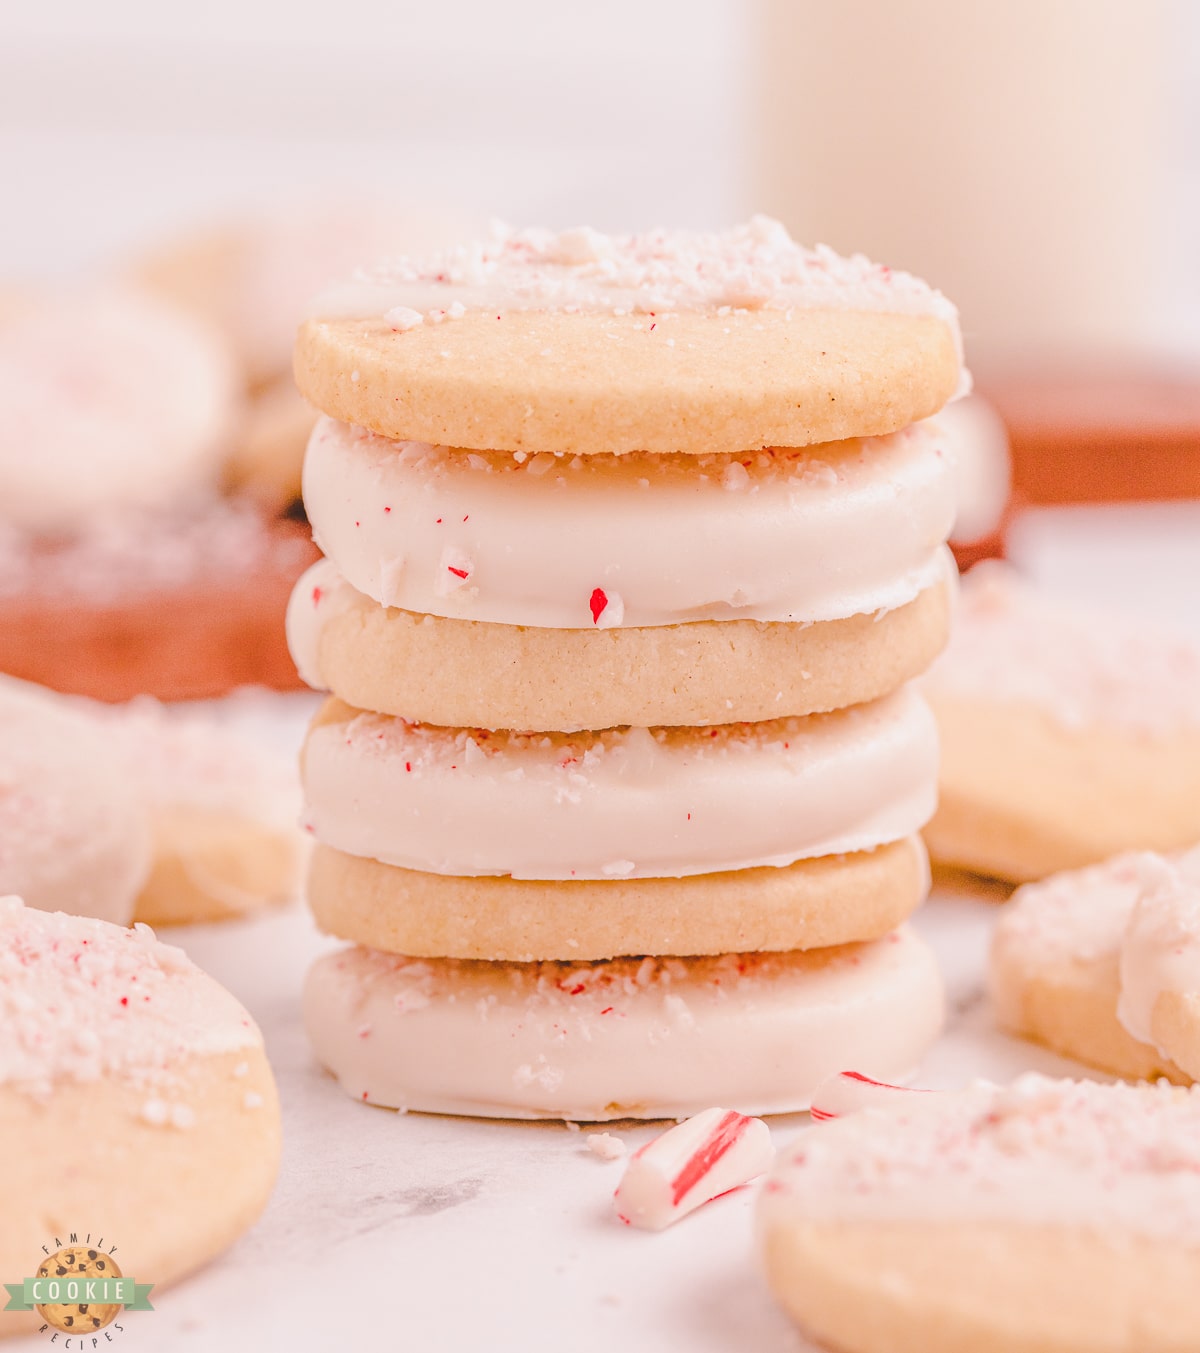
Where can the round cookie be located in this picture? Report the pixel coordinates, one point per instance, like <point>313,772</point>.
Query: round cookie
<point>113,400</point>
<point>107,1031</point>
<point>831,900</point>
<point>581,542</point>
<point>222,811</point>
<point>588,344</point>
<point>461,673</point>
<point>73,831</point>
<point>1067,736</point>
<point>626,803</point>
<point>1100,964</point>
<point>637,1038</point>
<point>1045,1215</point>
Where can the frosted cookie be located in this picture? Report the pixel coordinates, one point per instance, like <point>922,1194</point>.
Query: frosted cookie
<point>637,1038</point>
<point>121,1058</point>
<point>185,603</point>
<point>1044,1215</point>
<point>630,803</point>
<point>469,673</point>
<point>664,342</point>
<point>252,278</point>
<point>1067,735</point>
<point>829,900</point>
<point>73,832</point>
<point>112,401</point>
<point>1103,964</point>
<point>978,443</point>
<point>223,814</point>
<point>265,462</point>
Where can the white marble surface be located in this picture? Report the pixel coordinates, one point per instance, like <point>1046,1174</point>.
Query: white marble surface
<point>499,1235</point>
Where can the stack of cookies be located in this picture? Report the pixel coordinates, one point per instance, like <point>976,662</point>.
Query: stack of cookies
<point>632,545</point>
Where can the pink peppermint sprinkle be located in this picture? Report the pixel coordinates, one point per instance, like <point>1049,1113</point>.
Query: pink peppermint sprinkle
<point>695,1162</point>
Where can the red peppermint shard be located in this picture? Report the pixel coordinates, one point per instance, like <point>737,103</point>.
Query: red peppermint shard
<point>598,604</point>
<point>458,572</point>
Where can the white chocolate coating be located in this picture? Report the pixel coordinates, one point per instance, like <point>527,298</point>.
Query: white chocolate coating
<point>74,834</point>
<point>627,803</point>
<point>978,443</point>
<point>690,1165</point>
<point>749,267</point>
<point>112,400</point>
<point>1141,910</point>
<point>644,1038</point>
<point>81,999</point>
<point>320,594</point>
<point>1072,1154</point>
<point>1014,644</point>
<point>847,528</point>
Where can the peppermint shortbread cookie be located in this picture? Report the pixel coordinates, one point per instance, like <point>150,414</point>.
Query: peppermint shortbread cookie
<point>1103,964</point>
<point>1067,735</point>
<point>1043,1215</point>
<point>121,1058</point>
<point>636,1038</point>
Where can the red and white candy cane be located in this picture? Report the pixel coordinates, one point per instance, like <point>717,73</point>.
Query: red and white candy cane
<point>850,1091</point>
<point>694,1162</point>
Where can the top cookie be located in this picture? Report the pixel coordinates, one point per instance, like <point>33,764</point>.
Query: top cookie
<point>584,343</point>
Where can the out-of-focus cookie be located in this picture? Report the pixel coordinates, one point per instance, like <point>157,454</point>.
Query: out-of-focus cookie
<point>1044,1215</point>
<point>635,1038</point>
<point>1103,964</point>
<point>266,461</point>
<point>664,342</point>
<point>110,1038</point>
<point>113,401</point>
<point>73,831</point>
<point>223,813</point>
<point>1068,735</point>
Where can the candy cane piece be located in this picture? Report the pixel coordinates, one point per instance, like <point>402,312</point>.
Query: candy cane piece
<point>691,1164</point>
<point>849,1091</point>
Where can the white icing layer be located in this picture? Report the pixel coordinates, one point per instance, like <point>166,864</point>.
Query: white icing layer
<point>977,441</point>
<point>846,529</point>
<point>74,835</point>
<point>1066,1154</point>
<point>1160,951</point>
<point>627,803</point>
<point>320,595</point>
<point>81,999</point>
<point>749,267</point>
<point>1082,668</point>
<point>647,1038</point>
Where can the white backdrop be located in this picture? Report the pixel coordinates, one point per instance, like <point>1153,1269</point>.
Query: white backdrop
<point>123,118</point>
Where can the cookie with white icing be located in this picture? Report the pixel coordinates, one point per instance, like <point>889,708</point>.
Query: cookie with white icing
<point>664,342</point>
<point>635,1038</point>
<point>1103,964</point>
<point>73,830</point>
<point>1044,1215</point>
<point>1068,736</point>
<point>109,1033</point>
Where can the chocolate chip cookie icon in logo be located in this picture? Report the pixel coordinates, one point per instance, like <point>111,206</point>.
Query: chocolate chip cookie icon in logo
<point>69,1266</point>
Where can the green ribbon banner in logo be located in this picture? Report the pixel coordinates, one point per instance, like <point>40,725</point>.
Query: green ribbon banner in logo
<point>24,1296</point>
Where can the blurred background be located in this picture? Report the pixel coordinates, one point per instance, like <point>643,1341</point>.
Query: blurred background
<point>1039,160</point>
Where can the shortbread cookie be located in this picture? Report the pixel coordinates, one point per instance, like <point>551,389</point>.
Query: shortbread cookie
<point>583,343</point>
<point>265,463</point>
<point>808,905</point>
<point>223,812</point>
<point>461,673</point>
<point>181,604</point>
<point>135,1100</point>
<point>73,831</point>
<point>112,401</point>
<point>638,1038</point>
<point>1067,735</point>
<point>627,803</point>
<point>1045,1215</point>
<point>1101,964</point>
<point>832,531</point>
